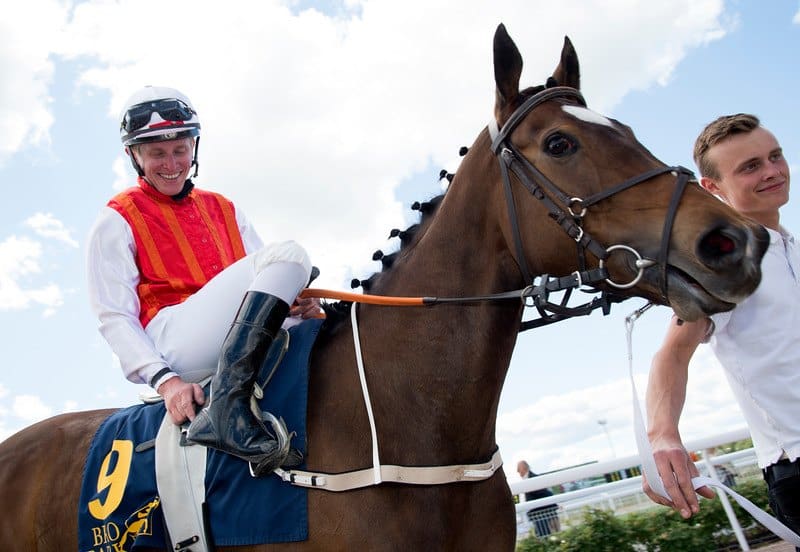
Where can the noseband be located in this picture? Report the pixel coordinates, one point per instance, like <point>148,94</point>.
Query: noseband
<point>569,212</point>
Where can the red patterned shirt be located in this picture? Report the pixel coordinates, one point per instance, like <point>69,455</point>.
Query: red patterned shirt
<point>180,245</point>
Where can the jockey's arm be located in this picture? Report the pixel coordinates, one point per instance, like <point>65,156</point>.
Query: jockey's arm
<point>112,279</point>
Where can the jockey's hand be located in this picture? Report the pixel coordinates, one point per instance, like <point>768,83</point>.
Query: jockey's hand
<point>180,399</point>
<point>676,470</point>
<point>305,307</point>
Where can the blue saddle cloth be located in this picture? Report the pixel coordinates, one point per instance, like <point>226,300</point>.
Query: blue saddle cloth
<point>119,508</point>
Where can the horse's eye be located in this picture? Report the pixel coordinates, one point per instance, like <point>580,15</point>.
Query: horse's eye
<point>559,145</point>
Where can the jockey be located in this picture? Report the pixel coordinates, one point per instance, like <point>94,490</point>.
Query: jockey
<point>167,265</point>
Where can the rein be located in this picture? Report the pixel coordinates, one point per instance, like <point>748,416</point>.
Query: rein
<point>535,295</point>
<point>548,284</point>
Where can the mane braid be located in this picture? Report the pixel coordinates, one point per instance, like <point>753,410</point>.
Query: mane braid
<point>337,312</point>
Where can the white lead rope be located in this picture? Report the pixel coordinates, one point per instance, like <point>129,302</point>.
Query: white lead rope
<point>649,465</point>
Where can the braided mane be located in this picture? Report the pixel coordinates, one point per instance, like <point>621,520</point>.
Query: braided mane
<point>337,311</point>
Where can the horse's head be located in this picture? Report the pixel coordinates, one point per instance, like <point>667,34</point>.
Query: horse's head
<point>656,232</point>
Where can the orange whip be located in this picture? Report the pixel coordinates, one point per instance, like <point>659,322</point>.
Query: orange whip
<point>369,299</point>
<point>519,294</point>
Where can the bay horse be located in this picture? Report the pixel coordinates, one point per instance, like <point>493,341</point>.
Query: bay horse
<point>573,193</point>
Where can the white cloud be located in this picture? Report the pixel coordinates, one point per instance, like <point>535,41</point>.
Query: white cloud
<point>19,411</point>
<point>557,431</point>
<point>48,226</point>
<point>30,408</point>
<point>796,18</point>
<point>19,258</point>
<point>300,140</point>
<point>108,394</point>
<point>27,40</point>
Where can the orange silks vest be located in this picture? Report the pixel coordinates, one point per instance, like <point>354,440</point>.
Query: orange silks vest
<point>180,245</point>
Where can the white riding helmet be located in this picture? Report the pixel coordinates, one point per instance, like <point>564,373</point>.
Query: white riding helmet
<point>155,114</point>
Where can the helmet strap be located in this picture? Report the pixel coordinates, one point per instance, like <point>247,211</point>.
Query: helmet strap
<point>194,161</point>
<point>139,170</point>
<point>187,187</point>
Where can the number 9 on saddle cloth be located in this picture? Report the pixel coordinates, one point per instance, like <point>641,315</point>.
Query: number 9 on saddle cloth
<point>118,495</point>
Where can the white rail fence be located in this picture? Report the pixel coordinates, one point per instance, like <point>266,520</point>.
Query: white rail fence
<point>625,495</point>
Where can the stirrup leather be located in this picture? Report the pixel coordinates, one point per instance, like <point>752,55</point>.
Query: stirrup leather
<point>278,349</point>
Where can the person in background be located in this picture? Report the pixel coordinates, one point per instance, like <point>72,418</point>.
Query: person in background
<point>725,473</point>
<point>168,264</point>
<point>757,343</point>
<point>544,518</point>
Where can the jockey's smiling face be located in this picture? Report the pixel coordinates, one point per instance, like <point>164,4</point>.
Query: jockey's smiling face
<point>166,164</point>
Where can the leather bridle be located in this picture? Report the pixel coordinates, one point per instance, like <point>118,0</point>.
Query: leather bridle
<point>569,213</point>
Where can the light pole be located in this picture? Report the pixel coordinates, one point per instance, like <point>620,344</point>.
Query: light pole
<point>604,423</point>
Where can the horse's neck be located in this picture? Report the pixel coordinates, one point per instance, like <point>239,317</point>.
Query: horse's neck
<point>446,364</point>
<point>463,250</point>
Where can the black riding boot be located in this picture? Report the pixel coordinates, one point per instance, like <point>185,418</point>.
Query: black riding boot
<point>227,422</point>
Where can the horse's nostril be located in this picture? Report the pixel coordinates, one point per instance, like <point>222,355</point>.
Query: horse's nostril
<point>722,246</point>
<point>720,243</point>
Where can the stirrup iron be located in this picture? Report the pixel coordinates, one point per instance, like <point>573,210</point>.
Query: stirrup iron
<point>283,437</point>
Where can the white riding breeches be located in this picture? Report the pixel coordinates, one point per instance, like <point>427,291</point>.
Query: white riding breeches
<point>189,335</point>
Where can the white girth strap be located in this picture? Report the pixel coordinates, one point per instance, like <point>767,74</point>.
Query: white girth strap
<point>434,475</point>
<point>649,465</point>
<point>411,475</point>
<point>180,477</point>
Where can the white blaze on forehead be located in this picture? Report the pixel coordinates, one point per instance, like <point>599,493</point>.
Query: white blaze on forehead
<point>587,115</point>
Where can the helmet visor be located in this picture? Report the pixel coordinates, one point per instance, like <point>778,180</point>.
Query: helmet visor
<point>139,115</point>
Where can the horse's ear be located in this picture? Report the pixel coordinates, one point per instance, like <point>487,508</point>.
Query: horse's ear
<point>568,73</point>
<point>507,69</point>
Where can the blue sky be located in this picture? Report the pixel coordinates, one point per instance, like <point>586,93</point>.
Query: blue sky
<point>290,95</point>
